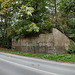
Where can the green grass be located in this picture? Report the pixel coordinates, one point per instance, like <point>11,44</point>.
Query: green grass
<point>60,57</point>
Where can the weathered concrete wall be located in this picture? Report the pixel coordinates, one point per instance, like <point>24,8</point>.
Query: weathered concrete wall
<point>42,44</point>
<point>53,43</point>
<point>61,41</point>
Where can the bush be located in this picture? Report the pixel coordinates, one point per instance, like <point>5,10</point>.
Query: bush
<point>71,49</point>
<point>5,42</point>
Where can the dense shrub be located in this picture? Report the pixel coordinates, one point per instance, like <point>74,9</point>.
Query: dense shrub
<point>71,49</point>
<point>5,42</point>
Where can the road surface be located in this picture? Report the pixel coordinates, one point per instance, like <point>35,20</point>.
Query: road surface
<point>19,65</point>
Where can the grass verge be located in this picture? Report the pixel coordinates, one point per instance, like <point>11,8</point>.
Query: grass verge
<point>60,57</point>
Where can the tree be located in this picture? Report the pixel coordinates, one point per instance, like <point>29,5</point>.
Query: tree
<point>25,18</point>
<point>66,18</point>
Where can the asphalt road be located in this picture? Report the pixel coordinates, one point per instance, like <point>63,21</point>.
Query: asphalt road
<point>19,65</point>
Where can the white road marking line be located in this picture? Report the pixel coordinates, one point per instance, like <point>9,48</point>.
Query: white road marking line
<point>27,67</point>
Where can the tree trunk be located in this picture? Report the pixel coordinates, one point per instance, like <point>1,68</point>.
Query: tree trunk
<point>43,6</point>
<point>55,13</point>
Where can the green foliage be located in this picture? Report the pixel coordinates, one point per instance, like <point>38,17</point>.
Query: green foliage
<point>29,16</point>
<point>72,23</point>
<point>32,27</point>
<point>22,28</point>
<point>69,29</point>
<point>16,37</point>
<point>5,42</point>
<point>72,26</point>
<point>66,18</point>
<point>49,26</point>
<point>69,6</point>
<point>26,10</point>
<point>71,49</point>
